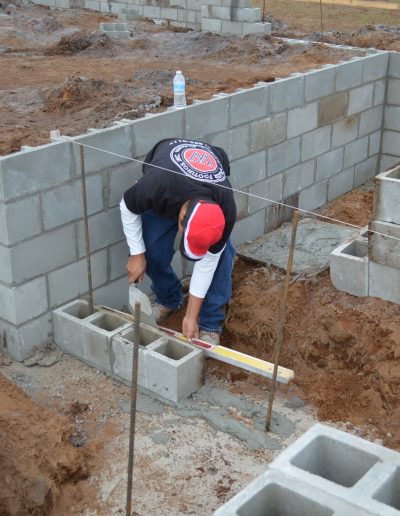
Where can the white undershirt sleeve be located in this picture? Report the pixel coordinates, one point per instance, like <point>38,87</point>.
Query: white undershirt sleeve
<point>132,226</point>
<point>203,274</point>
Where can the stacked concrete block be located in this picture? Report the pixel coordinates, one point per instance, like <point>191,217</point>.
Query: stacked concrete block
<point>167,366</point>
<point>391,124</point>
<point>325,472</point>
<point>115,30</point>
<point>232,17</point>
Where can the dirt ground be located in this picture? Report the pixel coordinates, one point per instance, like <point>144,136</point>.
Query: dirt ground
<point>59,72</point>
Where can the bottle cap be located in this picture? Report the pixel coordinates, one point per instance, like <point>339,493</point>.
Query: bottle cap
<point>178,71</point>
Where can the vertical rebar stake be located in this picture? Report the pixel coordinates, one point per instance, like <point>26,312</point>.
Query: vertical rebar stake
<point>320,13</point>
<point>282,318</point>
<point>86,226</point>
<point>263,12</point>
<point>135,360</point>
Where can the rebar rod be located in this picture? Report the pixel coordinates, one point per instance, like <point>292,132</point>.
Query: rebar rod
<point>282,317</point>
<point>86,228</point>
<point>320,13</point>
<point>135,360</point>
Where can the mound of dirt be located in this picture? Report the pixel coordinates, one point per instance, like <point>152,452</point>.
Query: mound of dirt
<point>369,36</point>
<point>36,457</point>
<point>73,91</point>
<point>78,42</point>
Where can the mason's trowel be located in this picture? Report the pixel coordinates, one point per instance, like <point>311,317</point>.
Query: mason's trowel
<point>137,296</point>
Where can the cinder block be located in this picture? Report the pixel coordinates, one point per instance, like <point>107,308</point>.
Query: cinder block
<point>218,12</point>
<point>329,164</point>
<point>268,132</point>
<point>283,156</point>
<point>114,294</point>
<point>46,253</point>
<point>319,83</point>
<point>71,281</point>
<point>384,282</point>
<point>151,11</point>
<point>86,336</point>
<point>256,28</point>
<point>20,220</point>
<point>107,148</point>
<point>349,268</point>
<point>180,4</point>
<point>375,67</point>
<point>118,258</point>
<point>228,3</point>
<point>122,349</point>
<point>387,195</point>
<point>248,170</point>
<point>187,16</point>
<point>374,143</point>
<point>340,184</point>
<point>105,229</point>
<point>332,108</point>
<point>394,65</point>
<point>286,94</point>
<point>315,143</point>
<point>63,4</point>
<point>249,229</point>
<point>25,302</point>
<point>6,272</point>
<point>383,249</point>
<point>106,27</point>
<point>211,25</point>
<point>232,27</point>
<point>194,5</point>
<point>150,130</point>
<point>350,469</point>
<point>276,493</point>
<point>365,170</point>
<point>391,143</point>
<point>379,92</point>
<point>236,141</point>
<point>24,340</point>
<point>120,179</point>
<point>92,4</point>
<point>27,172</point>
<point>392,118</point>
<point>348,75</point>
<point>169,13</point>
<point>355,152</point>
<point>371,120</point>
<point>361,99</point>
<point>249,105</point>
<point>198,117</point>
<point>393,92</point>
<point>246,14</point>
<point>386,163</point>
<point>345,131</point>
<point>313,197</point>
<point>64,203</point>
<point>298,178</point>
<point>270,188</point>
<point>174,369</point>
<point>118,34</point>
<point>301,120</point>
<point>241,201</point>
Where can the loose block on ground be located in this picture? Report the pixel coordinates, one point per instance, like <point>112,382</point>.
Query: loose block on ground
<point>349,268</point>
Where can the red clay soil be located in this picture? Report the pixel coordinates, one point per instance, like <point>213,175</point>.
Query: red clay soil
<point>344,350</point>
<point>59,72</point>
<point>36,457</point>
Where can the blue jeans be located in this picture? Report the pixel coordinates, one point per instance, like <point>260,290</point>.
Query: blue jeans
<point>159,237</point>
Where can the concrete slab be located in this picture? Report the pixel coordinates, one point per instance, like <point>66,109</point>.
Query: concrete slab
<point>315,241</point>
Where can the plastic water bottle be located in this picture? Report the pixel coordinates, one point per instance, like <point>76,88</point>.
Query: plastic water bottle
<point>179,91</point>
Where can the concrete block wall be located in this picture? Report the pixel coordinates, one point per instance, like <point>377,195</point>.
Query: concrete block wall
<point>303,139</point>
<point>391,123</point>
<point>325,472</point>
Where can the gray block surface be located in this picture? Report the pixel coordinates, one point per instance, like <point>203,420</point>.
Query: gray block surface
<point>387,195</point>
<point>349,268</point>
<point>383,249</point>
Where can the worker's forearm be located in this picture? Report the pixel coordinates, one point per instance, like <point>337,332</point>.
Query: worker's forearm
<point>193,307</point>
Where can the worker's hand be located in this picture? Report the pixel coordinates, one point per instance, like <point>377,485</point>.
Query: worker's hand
<point>136,267</point>
<point>190,328</point>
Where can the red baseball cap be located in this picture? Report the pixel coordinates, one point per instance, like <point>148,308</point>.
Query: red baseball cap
<point>203,226</point>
